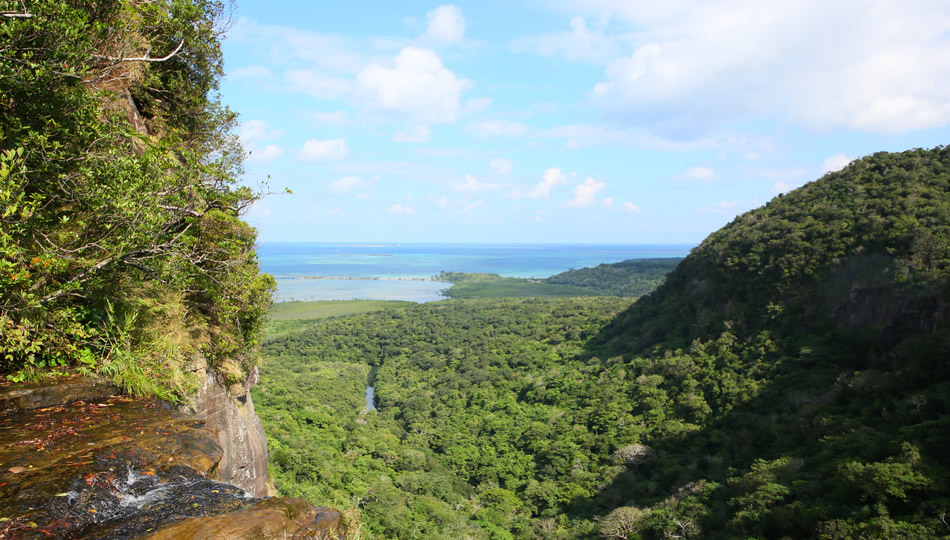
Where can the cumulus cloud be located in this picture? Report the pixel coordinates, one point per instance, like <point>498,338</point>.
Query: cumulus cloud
<point>413,134</point>
<point>882,67</point>
<point>399,208</point>
<point>551,178</point>
<point>473,185</point>
<point>327,150</point>
<point>630,207</point>
<point>349,183</point>
<point>836,163</point>
<point>586,194</point>
<point>445,24</point>
<point>418,87</point>
<point>500,166</point>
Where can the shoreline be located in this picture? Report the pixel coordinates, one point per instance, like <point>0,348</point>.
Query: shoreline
<point>363,278</point>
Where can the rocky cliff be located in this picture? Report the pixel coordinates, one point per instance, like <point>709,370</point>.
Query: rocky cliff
<point>229,412</point>
<point>77,460</point>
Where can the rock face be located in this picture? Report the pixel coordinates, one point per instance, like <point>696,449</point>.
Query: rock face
<point>79,461</point>
<point>229,411</point>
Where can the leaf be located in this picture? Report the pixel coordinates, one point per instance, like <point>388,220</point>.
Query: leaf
<point>17,469</point>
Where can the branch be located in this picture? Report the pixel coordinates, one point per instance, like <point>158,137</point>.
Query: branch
<point>145,58</point>
<point>15,15</point>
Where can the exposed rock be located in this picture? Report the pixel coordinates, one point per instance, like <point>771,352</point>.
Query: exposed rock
<point>108,466</point>
<point>272,518</point>
<point>239,432</point>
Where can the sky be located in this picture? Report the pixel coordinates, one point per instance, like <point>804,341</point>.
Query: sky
<point>568,121</point>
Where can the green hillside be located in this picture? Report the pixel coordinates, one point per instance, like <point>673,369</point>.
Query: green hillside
<point>631,278</point>
<point>789,379</point>
<point>122,250</point>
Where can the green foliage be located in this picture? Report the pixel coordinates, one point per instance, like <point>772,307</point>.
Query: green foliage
<point>789,379</point>
<point>478,430</point>
<point>632,278</point>
<point>495,286</point>
<point>118,195</point>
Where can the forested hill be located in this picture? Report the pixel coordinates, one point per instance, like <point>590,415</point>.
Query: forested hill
<point>789,379</point>
<point>866,249</point>
<point>800,359</point>
<point>631,278</point>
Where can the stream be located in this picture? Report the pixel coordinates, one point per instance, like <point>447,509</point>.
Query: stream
<point>370,405</point>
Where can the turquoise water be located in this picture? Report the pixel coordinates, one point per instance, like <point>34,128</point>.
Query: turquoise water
<point>290,262</point>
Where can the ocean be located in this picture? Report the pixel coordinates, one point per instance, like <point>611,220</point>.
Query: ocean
<point>342,271</point>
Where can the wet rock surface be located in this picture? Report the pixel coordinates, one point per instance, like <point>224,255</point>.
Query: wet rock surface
<point>113,467</point>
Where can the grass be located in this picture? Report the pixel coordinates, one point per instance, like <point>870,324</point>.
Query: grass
<point>286,317</point>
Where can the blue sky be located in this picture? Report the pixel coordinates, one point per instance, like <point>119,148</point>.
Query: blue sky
<point>592,121</point>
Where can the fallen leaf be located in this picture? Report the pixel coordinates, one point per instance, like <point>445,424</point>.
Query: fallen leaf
<point>2,520</point>
<point>16,470</point>
<point>62,494</point>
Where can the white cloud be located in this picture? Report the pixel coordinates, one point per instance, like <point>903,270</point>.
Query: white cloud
<point>418,87</point>
<point>254,132</point>
<point>500,166</point>
<point>551,178</point>
<point>413,134</point>
<point>267,155</point>
<point>398,208</point>
<point>348,183</point>
<point>319,85</point>
<point>836,163</point>
<point>877,66</point>
<point>257,130</point>
<point>700,174</point>
<point>630,207</point>
<point>329,52</point>
<point>473,185</point>
<point>607,202</point>
<point>497,128</point>
<point>586,194</point>
<point>332,118</point>
<point>328,150</point>
<point>579,43</point>
<point>445,24</point>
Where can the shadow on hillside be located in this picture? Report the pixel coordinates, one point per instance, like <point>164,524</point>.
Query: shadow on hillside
<point>850,400</point>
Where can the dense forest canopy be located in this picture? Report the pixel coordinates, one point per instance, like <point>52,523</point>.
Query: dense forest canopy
<point>121,249</point>
<point>789,379</point>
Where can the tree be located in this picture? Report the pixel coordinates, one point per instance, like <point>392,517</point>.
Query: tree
<point>122,247</point>
<point>623,522</point>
